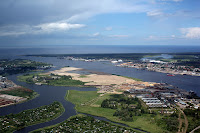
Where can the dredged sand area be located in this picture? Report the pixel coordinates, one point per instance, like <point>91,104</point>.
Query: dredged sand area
<point>95,78</point>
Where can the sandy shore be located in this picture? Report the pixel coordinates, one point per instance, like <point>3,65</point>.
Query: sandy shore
<point>95,79</point>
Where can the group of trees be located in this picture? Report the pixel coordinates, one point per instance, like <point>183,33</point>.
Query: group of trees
<point>169,123</point>
<point>19,66</point>
<point>52,80</point>
<point>125,107</point>
<point>193,116</point>
<point>12,122</point>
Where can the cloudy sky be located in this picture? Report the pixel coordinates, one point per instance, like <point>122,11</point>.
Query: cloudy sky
<point>99,22</point>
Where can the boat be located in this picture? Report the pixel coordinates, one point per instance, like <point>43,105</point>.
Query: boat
<point>170,75</point>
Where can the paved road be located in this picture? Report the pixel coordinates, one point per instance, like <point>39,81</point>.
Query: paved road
<point>195,129</point>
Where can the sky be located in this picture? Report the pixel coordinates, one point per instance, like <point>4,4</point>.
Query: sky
<point>28,23</point>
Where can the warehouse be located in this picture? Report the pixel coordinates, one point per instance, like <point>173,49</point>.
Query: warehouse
<point>153,102</point>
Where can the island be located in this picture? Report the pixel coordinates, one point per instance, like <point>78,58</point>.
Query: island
<point>72,76</point>
<point>10,123</point>
<point>84,123</point>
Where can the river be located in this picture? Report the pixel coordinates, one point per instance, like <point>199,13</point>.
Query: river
<point>48,94</point>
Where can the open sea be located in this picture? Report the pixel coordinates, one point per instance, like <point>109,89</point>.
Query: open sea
<point>88,49</point>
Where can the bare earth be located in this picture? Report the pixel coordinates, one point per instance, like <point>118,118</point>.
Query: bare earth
<point>96,79</point>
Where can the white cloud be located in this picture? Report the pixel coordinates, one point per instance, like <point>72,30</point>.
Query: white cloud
<point>17,30</point>
<point>12,33</point>
<point>108,28</point>
<point>155,13</point>
<point>118,36</point>
<point>173,36</point>
<point>49,27</point>
<point>151,37</point>
<point>96,34</point>
<point>191,33</point>
<point>171,0</point>
<point>87,8</point>
<point>14,30</point>
<point>157,38</point>
<point>177,0</point>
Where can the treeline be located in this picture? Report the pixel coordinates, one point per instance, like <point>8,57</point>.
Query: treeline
<point>193,118</point>
<point>169,123</point>
<point>123,56</point>
<point>9,67</point>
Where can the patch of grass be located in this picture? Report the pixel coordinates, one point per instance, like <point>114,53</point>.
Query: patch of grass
<point>119,90</point>
<point>136,79</point>
<point>146,122</point>
<point>50,80</point>
<point>63,82</point>
<point>21,92</point>
<point>83,76</point>
<point>81,97</point>
<point>23,78</point>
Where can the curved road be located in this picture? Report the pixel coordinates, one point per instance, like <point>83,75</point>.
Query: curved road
<point>195,129</point>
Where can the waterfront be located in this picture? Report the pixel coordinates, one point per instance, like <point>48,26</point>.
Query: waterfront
<point>48,94</point>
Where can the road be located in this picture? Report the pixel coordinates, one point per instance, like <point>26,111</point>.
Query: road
<point>195,129</point>
<point>185,121</point>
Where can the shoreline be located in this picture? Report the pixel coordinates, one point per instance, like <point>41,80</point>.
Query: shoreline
<point>63,110</point>
<point>112,120</point>
<point>160,71</point>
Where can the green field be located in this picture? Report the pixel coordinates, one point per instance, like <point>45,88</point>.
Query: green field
<point>83,76</point>
<point>90,103</point>
<point>136,79</point>
<point>25,77</point>
<point>21,92</point>
<point>50,80</point>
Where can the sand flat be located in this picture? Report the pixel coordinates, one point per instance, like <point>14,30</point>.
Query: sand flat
<point>94,79</point>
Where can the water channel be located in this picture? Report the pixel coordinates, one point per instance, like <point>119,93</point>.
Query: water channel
<point>48,94</point>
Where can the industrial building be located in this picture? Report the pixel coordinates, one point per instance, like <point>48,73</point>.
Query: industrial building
<point>153,102</point>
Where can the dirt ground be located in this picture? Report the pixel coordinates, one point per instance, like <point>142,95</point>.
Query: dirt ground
<point>96,79</point>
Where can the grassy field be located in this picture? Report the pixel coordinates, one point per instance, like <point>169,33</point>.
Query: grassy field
<point>79,98</point>
<point>21,92</point>
<point>83,76</point>
<point>47,79</point>
<point>64,82</point>
<point>136,79</point>
<point>23,78</point>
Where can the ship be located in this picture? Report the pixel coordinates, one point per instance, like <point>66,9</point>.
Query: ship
<point>170,75</point>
